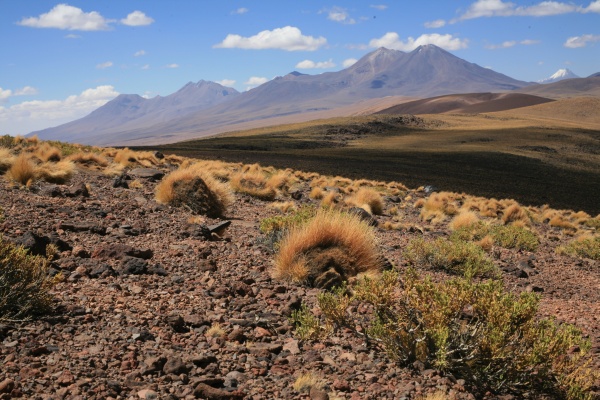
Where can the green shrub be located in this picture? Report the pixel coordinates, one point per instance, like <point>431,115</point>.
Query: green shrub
<point>24,283</point>
<point>476,331</point>
<point>507,236</point>
<point>7,141</point>
<point>588,247</point>
<point>455,256</point>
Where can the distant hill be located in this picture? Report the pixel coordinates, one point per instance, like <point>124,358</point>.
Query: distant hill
<point>472,103</point>
<point>424,72</point>
<point>560,75</point>
<point>566,88</point>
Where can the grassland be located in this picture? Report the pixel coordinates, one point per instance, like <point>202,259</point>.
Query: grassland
<point>532,158</point>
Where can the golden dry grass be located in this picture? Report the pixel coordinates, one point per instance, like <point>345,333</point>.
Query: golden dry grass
<point>253,183</point>
<point>46,152</point>
<point>514,213</point>
<point>60,172</point>
<point>89,160</point>
<point>209,196</point>
<point>283,206</point>
<point>316,193</point>
<point>306,381</point>
<point>368,199</point>
<point>464,219</point>
<point>6,159</point>
<point>330,199</point>
<point>297,257</point>
<point>215,331</point>
<point>23,169</point>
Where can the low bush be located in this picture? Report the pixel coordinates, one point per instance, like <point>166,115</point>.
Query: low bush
<point>455,256</point>
<point>507,236</point>
<point>326,250</point>
<point>24,283</point>
<point>475,331</point>
<point>584,246</point>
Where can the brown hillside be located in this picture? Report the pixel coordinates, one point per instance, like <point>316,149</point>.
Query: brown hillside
<point>466,103</point>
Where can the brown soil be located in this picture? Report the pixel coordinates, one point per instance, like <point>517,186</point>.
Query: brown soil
<point>142,287</point>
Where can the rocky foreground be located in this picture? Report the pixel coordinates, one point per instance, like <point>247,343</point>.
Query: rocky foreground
<point>156,303</point>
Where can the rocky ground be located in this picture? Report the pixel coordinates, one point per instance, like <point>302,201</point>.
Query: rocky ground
<point>152,306</point>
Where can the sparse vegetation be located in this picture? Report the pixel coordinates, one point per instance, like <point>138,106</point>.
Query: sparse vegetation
<point>369,199</point>
<point>455,256</point>
<point>24,283</point>
<point>306,381</point>
<point>476,331</point>
<point>507,236</point>
<point>584,246</point>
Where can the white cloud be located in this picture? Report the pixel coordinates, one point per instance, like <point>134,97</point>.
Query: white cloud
<point>391,40</point>
<point>379,7</point>
<point>137,18</point>
<point>308,64</point>
<point>511,43</point>
<point>438,23</point>
<point>26,91</point>
<point>139,53</point>
<point>593,7</point>
<point>240,11</point>
<point>72,36</point>
<point>500,8</point>
<point>5,94</point>
<point>255,81</point>
<point>287,38</point>
<point>104,65</point>
<point>172,65</point>
<point>28,116</point>
<point>226,82</point>
<point>581,41</point>
<point>529,42</point>
<point>68,17</point>
<point>146,66</point>
<point>349,62</point>
<point>339,14</point>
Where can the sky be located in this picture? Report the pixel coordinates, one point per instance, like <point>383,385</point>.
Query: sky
<point>60,61</point>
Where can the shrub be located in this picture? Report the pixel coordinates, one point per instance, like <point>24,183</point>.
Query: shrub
<point>284,222</point>
<point>584,246</point>
<point>198,191</point>
<point>326,250</point>
<point>507,236</point>
<point>24,283</point>
<point>455,256</point>
<point>475,331</point>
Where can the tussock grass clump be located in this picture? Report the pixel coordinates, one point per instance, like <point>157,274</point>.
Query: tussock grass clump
<point>368,199</point>
<point>476,331</point>
<point>515,213</point>
<point>455,256</point>
<point>306,381</point>
<point>60,172</point>
<point>317,193</point>
<point>438,206</point>
<point>326,250</point>
<point>253,183</point>
<point>464,219</point>
<point>196,190</point>
<point>89,160</point>
<point>46,152</point>
<point>24,283</point>
<point>23,169</point>
<point>584,246</point>
<point>6,159</point>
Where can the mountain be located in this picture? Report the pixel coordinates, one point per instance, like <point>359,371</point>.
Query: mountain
<point>566,88</point>
<point>561,74</point>
<point>597,74</point>
<point>128,111</point>
<point>424,72</point>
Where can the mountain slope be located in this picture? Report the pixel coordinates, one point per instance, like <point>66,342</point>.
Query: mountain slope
<point>426,71</point>
<point>561,74</point>
<point>566,88</point>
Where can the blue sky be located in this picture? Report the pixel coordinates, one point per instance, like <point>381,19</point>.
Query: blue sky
<point>61,61</point>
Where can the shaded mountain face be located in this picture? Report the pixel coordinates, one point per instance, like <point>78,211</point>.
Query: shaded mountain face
<point>424,72</point>
<point>561,74</point>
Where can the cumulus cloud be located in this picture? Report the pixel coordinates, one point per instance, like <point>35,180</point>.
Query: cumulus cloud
<point>349,62</point>
<point>67,17</point>
<point>339,14</point>
<point>226,82</point>
<point>391,40</point>
<point>104,65</point>
<point>5,94</point>
<point>438,23</point>
<point>308,64</point>
<point>254,81</point>
<point>172,65</point>
<point>26,91</point>
<point>28,116</point>
<point>139,53</point>
<point>379,7</point>
<point>581,41</point>
<point>137,18</point>
<point>288,38</point>
<point>240,11</point>
<point>500,8</point>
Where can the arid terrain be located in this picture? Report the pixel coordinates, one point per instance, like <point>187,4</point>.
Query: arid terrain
<point>156,300</point>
